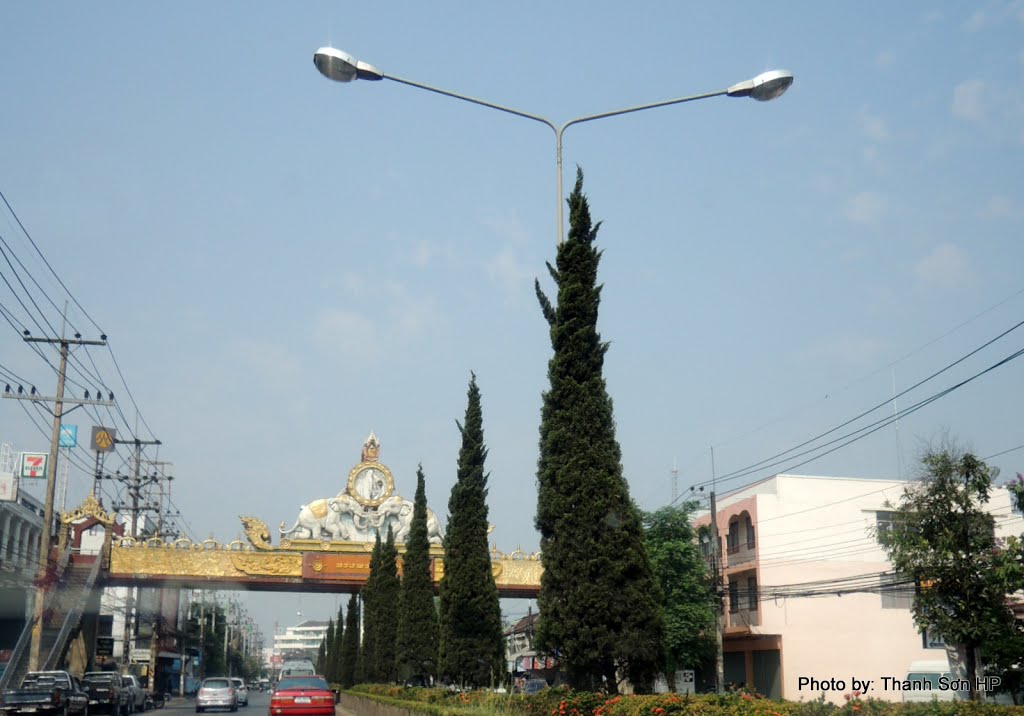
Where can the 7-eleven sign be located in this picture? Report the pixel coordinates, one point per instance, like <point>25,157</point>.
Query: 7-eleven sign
<point>33,464</point>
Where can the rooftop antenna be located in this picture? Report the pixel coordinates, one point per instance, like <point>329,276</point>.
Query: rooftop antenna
<point>675,482</point>
<point>896,422</point>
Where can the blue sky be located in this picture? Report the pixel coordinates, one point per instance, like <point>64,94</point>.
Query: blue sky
<point>283,263</point>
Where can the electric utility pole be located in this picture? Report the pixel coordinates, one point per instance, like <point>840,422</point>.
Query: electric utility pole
<point>719,588</point>
<point>163,498</point>
<point>46,538</point>
<point>134,483</point>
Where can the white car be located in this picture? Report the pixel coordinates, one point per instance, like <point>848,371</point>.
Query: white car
<point>241,692</point>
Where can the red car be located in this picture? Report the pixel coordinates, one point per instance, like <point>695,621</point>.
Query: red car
<point>302,696</point>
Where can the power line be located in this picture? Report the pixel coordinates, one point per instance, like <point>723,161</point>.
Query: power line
<point>128,390</point>
<point>77,365</point>
<point>11,375</point>
<point>871,428</point>
<point>761,463</point>
<point>1005,452</point>
<point>34,281</point>
<point>32,241</point>
<point>856,381</point>
<point>27,294</point>
<point>847,499</point>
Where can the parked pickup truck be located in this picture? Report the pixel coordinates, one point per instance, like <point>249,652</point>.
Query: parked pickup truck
<point>46,692</point>
<point>136,693</point>
<point>106,695</point>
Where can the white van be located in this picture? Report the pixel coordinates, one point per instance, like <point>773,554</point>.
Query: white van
<point>927,674</point>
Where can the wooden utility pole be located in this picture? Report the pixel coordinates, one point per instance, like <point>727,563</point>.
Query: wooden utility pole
<point>46,538</point>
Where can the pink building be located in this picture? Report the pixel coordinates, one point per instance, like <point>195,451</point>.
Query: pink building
<point>811,603</point>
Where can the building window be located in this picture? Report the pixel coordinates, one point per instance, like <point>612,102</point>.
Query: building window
<point>748,525</point>
<point>752,594</point>
<point>931,640</point>
<point>733,539</point>
<point>884,520</point>
<point>897,592</point>
<point>734,596</point>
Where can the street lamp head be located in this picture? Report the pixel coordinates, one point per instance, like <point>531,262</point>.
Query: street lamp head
<point>764,87</point>
<point>342,67</point>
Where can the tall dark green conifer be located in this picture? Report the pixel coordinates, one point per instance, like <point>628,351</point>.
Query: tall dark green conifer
<point>350,645</point>
<point>471,645</point>
<point>387,592</point>
<point>417,623</point>
<point>334,652</point>
<point>323,653</point>
<point>599,600</point>
<point>368,653</point>
<point>321,657</point>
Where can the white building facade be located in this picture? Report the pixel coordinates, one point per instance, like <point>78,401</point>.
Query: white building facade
<point>809,594</point>
<point>300,641</point>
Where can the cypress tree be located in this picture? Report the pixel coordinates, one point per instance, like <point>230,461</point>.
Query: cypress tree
<point>471,645</point>
<point>321,657</point>
<point>368,654</point>
<point>335,650</point>
<point>599,600</point>
<point>417,622</point>
<point>350,645</point>
<point>323,653</point>
<point>387,592</point>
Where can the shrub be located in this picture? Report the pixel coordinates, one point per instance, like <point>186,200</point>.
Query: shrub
<point>563,702</point>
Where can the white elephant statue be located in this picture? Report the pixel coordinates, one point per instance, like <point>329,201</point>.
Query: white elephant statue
<point>348,518</point>
<point>433,527</point>
<point>397,513</point>
<point>315,519</point>
<point>434,533</point>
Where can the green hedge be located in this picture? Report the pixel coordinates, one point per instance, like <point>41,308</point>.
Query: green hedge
<point>562,702</point>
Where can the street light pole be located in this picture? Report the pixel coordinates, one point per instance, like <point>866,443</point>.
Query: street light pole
<point>342,67</point>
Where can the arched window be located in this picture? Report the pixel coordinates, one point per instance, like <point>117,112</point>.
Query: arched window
<point>733,539</point>
<point>748,525</point>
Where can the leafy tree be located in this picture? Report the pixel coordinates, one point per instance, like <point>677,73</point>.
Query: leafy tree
<point>417,624</point>
<point>472,649</point>
<point>942,536</point>
<point>387,592</point>
<point>600,606</point>
<point>1016,489</point>
<point>1003,659</point>
<point>368,653</point>
<point>213,644</point>
<point>688,594</point>
<point>350,645</point>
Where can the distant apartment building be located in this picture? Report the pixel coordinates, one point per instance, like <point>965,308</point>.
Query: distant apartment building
<point>300,641</point>
<point>524,662</point>
<point>809,594</point>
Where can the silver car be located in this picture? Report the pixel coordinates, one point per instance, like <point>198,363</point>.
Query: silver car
<point>241,692</point>
<point>216,692</point>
